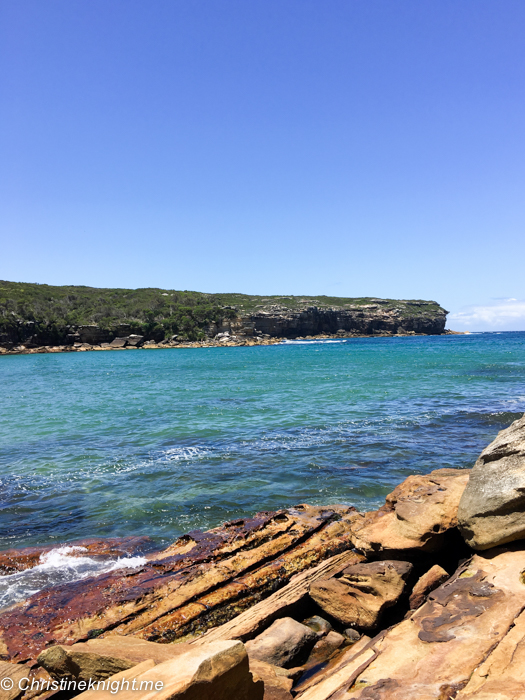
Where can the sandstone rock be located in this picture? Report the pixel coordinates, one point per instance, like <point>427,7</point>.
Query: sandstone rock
<point>200,582</point>
<point>324,648</point>
<point>119,343</point>
<point>502,675</point>
<point>362,592</point>
<point>340,671</point>
<point>282,603</point>
<point>218,671</point>
<point>433,578</point>
<point>135,340</point>
<point>492,508</point>
<point>466,624</point>
<point>318,624</point>
<point>286,643</point>
<point>10,677</point>
<point>416,515</point>
<point>101,658</point>
<point>277,686</point>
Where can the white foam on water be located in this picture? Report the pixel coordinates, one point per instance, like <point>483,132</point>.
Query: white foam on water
<point>55,567</point>
<point>180,454</point>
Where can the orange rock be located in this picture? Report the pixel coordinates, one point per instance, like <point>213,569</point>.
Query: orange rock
<point>433,578</point>
<point>416,515</point>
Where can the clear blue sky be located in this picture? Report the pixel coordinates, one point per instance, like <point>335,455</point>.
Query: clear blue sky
<point>348,147</point>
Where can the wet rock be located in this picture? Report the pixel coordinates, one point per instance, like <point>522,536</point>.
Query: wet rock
<point>10,677</point>
<point>201,581</point>
<point>351,635</point>
<point>318,624</point>
<point>340,671</point>
<point>433,578</point>
<point>280,604</point>
<point>492,508</point>
<point>324,648</point>
<point>15,560</point>
<point>101,658</point>
<point>466,622</point>
<point>417,514</point>
<point>362,592</point>
<point>286,643</point>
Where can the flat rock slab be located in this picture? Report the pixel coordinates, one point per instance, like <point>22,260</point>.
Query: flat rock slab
<point>361,593</point>
<point>217,671</point>
<point>430,580</point>
<point>492,507</point>
<point>101,658</point>
<point>417,514</point>
<point>465,622</point>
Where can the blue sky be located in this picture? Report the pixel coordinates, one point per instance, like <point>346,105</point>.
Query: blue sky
<point>347,148</point>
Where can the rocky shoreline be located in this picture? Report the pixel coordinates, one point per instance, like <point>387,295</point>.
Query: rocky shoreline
<point>421,599</point>
<point>133,342</point>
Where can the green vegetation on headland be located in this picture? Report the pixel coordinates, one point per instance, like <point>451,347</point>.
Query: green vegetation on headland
<point>49,313</point>
<point>147,310</point>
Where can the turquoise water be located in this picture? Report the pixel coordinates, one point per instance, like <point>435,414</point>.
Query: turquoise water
<point>160,442</point>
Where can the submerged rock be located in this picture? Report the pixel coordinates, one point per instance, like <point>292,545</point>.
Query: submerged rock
<point>362,592</point>
<point>492,507</point>
<point>417,514</point>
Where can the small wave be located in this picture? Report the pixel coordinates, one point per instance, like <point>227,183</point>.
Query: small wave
<point>180,454</point>
<point>55,567</point>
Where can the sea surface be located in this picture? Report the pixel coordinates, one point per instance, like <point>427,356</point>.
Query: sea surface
<point>160,442</point>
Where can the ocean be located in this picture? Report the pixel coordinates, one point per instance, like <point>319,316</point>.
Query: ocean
<point>161,442</point>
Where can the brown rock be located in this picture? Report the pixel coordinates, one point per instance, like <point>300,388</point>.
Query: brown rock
<point>502,675</point>
<point>10,677</point>
<point>341,671</point>
<point>465,623</point>
<point>416,515</point>
<point>362,592</point>
<point>217,671</point>
<point>492,508</point>
<point>202,581</point>
<point>318,624</point>
<point>433,578</point>
<point>253,621</point>
<point>324,648</point>
<point>277,686</point>
<point>101,658</point>
<point>286,643</point>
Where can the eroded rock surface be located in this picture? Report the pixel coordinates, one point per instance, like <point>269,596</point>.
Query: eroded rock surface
<point>362,592</point>
<point>463,624</point>
<point>417,514</point>
<point>492,507</point>
<point>204,579</point>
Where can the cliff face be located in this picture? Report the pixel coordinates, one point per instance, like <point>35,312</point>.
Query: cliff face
<point>380,318</point>
<point>40,315</point>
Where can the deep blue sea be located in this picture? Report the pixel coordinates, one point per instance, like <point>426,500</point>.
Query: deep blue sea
<point>159,442</point>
